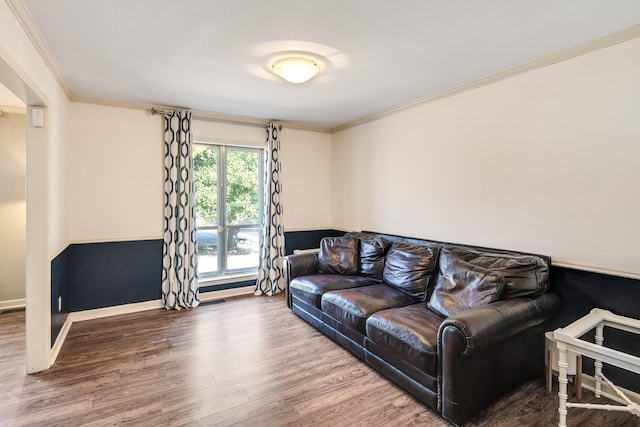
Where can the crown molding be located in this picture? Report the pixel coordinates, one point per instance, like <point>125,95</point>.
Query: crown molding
<point>219,117</point>
<point>197,114</point>
<point>26,20</point>
<point>117,104</point>
<point>573,52</point>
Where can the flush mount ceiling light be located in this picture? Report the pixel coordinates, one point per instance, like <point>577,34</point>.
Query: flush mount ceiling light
<point>296,69</point>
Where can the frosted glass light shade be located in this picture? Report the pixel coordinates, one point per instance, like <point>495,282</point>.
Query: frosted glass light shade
<point>296,69</point>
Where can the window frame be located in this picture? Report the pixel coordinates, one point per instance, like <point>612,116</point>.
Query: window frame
<point>222,227</point>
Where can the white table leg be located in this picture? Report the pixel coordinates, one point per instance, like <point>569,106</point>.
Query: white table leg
<point>562,385</point>
<point>598,363</point>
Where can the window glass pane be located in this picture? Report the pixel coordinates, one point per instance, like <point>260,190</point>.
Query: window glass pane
<point>227,184</point>
<point>243,188</point>
<point>244,247</point>
<point>207,251</point>
<point>205,177</point>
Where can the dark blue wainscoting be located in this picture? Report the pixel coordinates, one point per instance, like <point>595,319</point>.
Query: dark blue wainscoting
<point>59,289</point>
<point>579,292</point>
<point>114,273</point>
<point>96,275</point>
<point>309,239</point>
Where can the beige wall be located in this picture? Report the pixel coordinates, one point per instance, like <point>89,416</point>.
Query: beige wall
<point>546,161</point>
<point>13,162</point>
<point>115,172</point>
<point>306,180</point>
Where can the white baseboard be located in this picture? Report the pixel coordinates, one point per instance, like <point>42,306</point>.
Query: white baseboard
<point>13,303</point>
<point>62,335</point>
<point>589,383</point>
<point>80,316</point>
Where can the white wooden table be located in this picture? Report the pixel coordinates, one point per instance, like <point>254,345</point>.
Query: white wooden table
<point>569,339</point>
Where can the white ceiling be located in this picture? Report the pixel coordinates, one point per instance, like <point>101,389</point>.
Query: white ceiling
<point>214,55</point>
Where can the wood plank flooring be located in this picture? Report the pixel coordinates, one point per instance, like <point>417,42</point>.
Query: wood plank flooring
<point>247,362</point>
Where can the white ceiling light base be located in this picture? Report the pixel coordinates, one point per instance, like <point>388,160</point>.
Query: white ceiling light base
<point>296,69</point>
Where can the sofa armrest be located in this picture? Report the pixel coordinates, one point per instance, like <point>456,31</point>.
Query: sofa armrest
<point>302,264</point>
<point>484,352</point>
<point>483,327</point>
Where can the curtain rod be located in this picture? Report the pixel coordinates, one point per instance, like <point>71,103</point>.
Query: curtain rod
<point>258,123</point>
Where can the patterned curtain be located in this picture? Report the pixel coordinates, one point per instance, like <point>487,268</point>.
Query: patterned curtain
<point>179,258</point>
<point>270,272</point>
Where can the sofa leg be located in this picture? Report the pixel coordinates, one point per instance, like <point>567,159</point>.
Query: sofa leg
<point>549,370</point>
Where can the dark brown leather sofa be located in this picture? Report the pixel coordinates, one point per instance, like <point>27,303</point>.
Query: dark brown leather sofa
<point>457,326</point>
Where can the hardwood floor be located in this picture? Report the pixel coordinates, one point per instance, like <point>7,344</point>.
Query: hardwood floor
<point>247,361</point>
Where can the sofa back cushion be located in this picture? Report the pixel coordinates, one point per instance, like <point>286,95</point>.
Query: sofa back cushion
<point>338,255</point>
<point>523,274</point>
<point>373,250</point>
<point>461,286</point>
<point>410,268</point>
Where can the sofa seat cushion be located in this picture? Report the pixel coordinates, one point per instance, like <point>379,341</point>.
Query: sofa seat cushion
<point>311,288</point>
<point>409,333</point>
<point>352,307</point>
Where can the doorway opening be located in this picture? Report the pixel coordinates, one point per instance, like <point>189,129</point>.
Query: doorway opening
<point>13,171</point>
<point>37,276</point>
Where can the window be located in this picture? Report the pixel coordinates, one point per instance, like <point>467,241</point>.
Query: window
<point>228,190</point>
